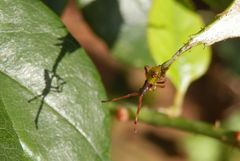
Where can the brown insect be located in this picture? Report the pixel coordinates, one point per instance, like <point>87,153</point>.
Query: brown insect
<point>155,77</point>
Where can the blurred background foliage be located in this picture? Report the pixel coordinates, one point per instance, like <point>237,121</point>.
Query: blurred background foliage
<point>121,23</point>
<point>57,6</point>
<point>122,36</point>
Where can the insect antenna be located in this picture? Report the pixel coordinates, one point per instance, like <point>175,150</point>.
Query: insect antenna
<point>138,108</point>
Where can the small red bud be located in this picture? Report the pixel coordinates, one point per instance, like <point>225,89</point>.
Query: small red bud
<point>122,114</point>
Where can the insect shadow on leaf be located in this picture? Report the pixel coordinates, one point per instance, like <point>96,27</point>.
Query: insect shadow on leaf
<point>53,81</point>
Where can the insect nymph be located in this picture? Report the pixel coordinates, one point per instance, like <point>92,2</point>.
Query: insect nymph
<point>155,77</point>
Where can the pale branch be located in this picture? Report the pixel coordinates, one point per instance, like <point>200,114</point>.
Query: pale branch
<point>226,26</point>
<point>166,65</point>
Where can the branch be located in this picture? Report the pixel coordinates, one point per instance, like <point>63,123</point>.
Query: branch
<point>226,26</point>
<point>157,119</point>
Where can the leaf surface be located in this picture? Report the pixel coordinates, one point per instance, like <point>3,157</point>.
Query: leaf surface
<point>39,57</point>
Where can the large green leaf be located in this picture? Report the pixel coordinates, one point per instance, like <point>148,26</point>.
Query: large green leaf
<point>170,25</point>
<point>36,55</point>
<point>122,24</point>
<point>10,148</point>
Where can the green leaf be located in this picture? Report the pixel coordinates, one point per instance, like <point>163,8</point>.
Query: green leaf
<point>83,3</point>
<point>10,148</point>
<point>122,24</point>
<point>37,55</point>
<point>227,24</point>
<point>199,148</point>
<point>170,25</point>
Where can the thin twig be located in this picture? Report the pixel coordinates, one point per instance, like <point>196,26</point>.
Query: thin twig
<point>179,52</point>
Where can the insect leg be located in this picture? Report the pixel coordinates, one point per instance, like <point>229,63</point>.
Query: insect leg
<point>122,97</point>
<point>160,84</point>
<point>146,69</point>
<point>35,97</point>
<point>137,113</point>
